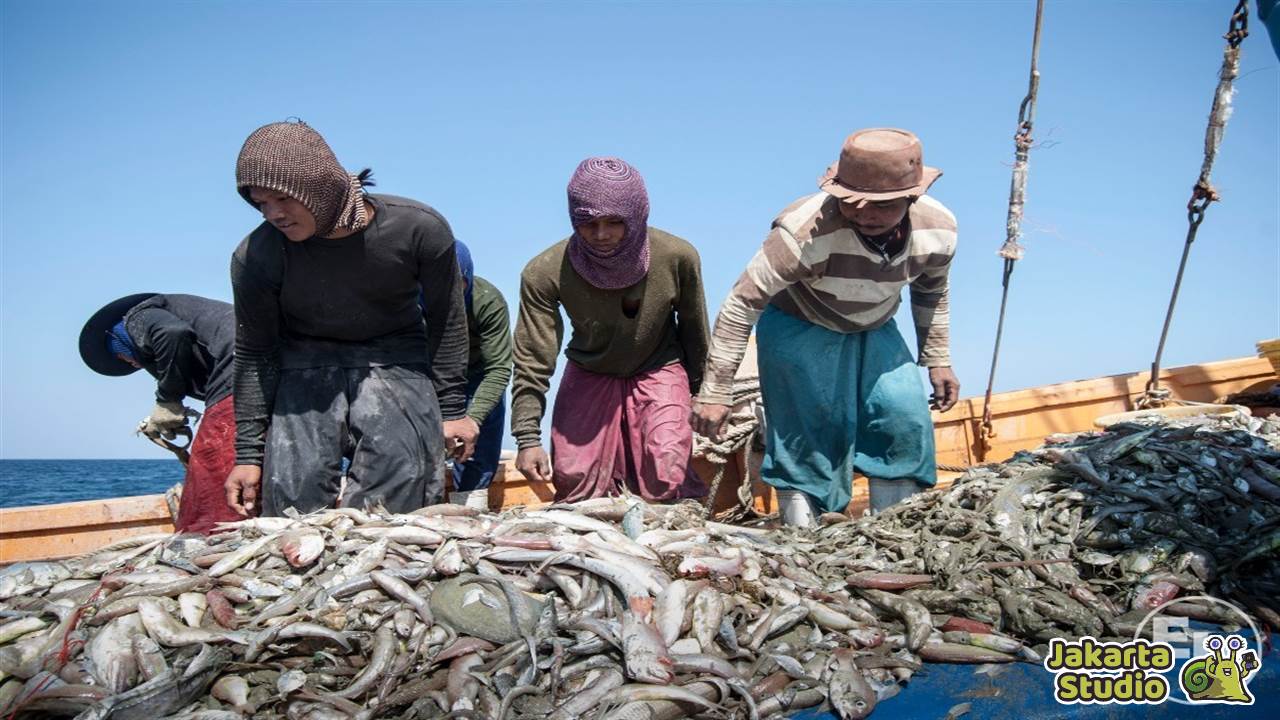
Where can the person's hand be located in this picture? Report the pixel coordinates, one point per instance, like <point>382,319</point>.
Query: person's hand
<point>708,419</point>
<point>533,463</point>
<point>946,388</point>
<point>460,438</point>
<point>242,488</point>
<point>165,419</point>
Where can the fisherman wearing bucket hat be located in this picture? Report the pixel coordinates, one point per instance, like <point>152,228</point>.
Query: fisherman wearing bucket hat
<point>348,390</point>
<point>841,391</point>
<point>186,343</point>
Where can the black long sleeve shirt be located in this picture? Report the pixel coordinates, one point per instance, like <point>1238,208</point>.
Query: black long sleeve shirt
<point>348,302</point>
<point>186,343</point>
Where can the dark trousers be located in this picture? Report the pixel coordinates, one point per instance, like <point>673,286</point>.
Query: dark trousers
<point>385,421</point>
<point>478,472</point>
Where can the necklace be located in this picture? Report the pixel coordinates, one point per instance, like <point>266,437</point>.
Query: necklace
<point>882,247</point>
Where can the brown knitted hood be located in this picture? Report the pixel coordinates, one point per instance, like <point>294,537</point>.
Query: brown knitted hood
<point>292,158</point>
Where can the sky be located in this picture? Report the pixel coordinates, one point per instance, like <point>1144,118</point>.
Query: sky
<point>120,124</point>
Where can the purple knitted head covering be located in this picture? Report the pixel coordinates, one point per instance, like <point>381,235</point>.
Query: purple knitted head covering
<point>605,187</point>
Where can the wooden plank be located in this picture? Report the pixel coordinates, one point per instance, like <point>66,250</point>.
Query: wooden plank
<point>951,440</point>
<point>142,509</point>
<point>1198,383</point>
<point>1022,419</point>
<point>60,543</point>
<point>510,488</point>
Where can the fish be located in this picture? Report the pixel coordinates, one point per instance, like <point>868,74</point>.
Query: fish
<point>850,694</point>
<point>110,653</point>
<point>644,652</point>
<point>628,609</point>
<point>162,628</point>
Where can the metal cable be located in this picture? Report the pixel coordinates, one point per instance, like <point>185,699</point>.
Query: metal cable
<point>1203,192</point>
<point>1012,251</point>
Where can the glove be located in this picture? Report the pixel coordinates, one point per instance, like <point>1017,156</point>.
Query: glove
<point>165,418</point>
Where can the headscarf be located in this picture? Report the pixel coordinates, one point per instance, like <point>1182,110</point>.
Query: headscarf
<point>604,187</point>
<point>119,342</point>
<point>292,158</point>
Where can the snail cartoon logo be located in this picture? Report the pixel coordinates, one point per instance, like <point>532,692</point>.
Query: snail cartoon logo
<point>1220,675</point>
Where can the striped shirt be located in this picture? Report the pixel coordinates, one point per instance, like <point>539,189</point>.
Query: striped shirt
<point>813,265</point>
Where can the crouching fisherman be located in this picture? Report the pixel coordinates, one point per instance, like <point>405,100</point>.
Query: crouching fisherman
<point>633,294</point>
<point>186,343</point>
<point>488,374</point>
<point>334,363</point>
<point>841,391</point>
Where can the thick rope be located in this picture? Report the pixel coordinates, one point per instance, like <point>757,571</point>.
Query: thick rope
<point>1203,192</point>
<point>1011,250</point>
<point>739,427</point>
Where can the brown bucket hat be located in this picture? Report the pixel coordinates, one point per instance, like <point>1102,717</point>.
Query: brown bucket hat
<point>879,164</point>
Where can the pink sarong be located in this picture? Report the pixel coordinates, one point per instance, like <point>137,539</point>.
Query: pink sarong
<point>609,432</point>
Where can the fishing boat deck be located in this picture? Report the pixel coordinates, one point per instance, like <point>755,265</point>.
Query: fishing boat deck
<point>1021,419</point>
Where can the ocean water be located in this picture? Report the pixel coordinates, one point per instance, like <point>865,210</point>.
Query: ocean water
<point>41,482</point>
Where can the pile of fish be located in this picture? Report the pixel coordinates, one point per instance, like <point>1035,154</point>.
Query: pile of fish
<point>1085,535</point>
<point>619,609</point>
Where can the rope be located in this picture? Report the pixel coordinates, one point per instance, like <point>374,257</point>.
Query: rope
<point>1011,250</point>
<point>1203,192</point>
<point>739,427</point>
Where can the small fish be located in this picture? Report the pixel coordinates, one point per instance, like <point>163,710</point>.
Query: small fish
<point>633,521</point>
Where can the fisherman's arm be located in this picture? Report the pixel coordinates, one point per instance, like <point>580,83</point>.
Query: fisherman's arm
<point>931,313</point>
<point>168,344</point>
<point>256,377</point>
<point>691,319</point>
<point>494,327</point>
<point>539,332</point>
<point>445,312</point>
<point>779,264</point>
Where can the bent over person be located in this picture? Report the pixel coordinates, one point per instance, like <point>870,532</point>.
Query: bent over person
<point>331,339</point>
<point>488,374</point>
<point>186,343</point>
<point>841,390</point>
<point>633,294</point>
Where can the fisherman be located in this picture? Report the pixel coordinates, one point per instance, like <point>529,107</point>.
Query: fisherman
<point>633,294</point>
<point>488,374</point>
<point>841,392</point>
<point>334,364</point>
<point>185,342</point>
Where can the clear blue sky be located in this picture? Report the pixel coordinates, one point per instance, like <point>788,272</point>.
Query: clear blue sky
<point>121,123</point>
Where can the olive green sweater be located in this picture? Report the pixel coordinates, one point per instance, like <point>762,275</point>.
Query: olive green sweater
<point>489,369</point>
<point>668,326</point>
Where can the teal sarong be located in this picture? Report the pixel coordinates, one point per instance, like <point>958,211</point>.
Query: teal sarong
<point>835,403</point>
